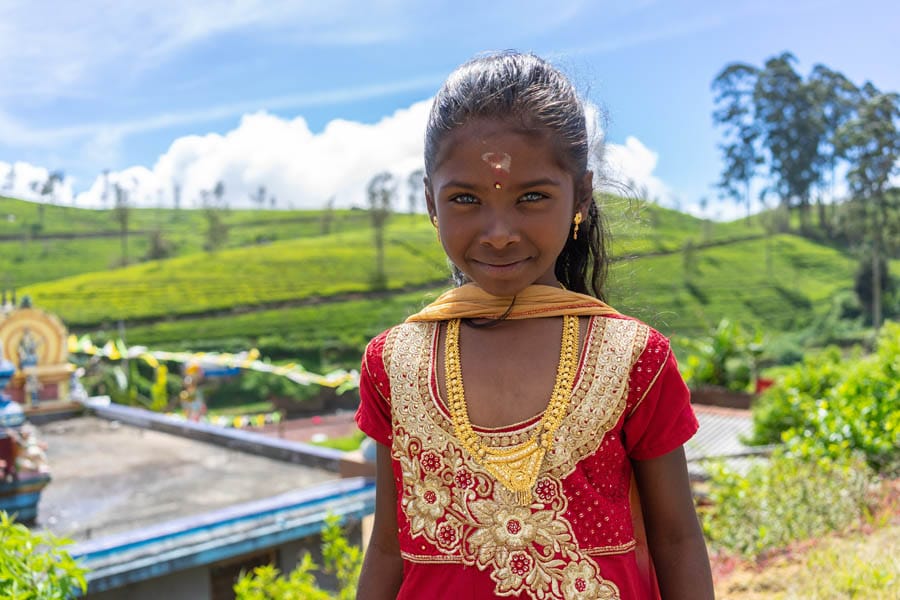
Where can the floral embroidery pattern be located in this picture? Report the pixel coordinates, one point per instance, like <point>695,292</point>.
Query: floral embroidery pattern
<point>580,582</point>
<point>453,504</point>
<point>523,547</point>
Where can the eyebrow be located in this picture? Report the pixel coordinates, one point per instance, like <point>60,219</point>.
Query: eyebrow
<point>543,181</point>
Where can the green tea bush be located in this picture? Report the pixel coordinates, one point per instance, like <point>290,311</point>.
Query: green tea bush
<point>831,405</point>
<point>342,559</point>
<point>727,357</point>
<point>783,500</point>
<point>36,566</point>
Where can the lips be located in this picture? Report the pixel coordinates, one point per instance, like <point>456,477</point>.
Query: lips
<point>501,265</point>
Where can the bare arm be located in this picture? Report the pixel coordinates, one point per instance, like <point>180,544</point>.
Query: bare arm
<point>382,570</point>
<point>673,533</point>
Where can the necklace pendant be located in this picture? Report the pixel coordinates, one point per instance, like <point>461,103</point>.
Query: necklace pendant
<point>517,469</point>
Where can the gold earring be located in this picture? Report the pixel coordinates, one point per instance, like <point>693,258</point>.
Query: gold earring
<point>437,231</point>
<point>577,220</point>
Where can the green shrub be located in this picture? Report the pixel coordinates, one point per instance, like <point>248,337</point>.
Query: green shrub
<point>346,443</point>
<point>782,500</point>
<point>341,559</point>
<point>726,358</point>
<point>832,405</point>
<point>36,566</point>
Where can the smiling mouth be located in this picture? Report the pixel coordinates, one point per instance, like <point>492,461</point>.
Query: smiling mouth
<point>501,265</point>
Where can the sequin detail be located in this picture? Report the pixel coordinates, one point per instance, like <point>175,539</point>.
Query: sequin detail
<point>454,507</point>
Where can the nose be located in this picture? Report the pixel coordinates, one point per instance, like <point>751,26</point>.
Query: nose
<point>499,229</point>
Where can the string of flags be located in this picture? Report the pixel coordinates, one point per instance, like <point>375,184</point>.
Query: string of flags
<point>234,421</point>
<point>214,364</point>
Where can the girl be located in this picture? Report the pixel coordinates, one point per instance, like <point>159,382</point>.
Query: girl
<point>518,417</point>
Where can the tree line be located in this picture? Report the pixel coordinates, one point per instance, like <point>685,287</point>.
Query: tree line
<point>794,138</point>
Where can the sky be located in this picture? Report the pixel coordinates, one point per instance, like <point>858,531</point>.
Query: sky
<point>311,99</point>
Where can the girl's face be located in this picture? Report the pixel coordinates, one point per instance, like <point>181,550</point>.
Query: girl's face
<point>504,205</point>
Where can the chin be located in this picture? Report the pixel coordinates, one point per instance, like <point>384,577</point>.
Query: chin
<point>501,288</point>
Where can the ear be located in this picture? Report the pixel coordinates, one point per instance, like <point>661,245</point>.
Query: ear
<point>429,199</point>
<point>585,193</point>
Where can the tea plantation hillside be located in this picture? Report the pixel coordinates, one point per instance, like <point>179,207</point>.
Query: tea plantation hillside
<point>729,281</point>
<point>45,244</point>
<point>243,278</point>
<point>286,285</point>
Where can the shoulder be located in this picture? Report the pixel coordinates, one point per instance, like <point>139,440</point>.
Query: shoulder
<point>649,344</point>
<point>375,347</point>
<point>380,348</point>
<point>651,359</point>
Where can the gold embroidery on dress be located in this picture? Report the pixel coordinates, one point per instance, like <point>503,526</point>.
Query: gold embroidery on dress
<point>453,503</point>
<point>516,467</point>
<point>608,550</point>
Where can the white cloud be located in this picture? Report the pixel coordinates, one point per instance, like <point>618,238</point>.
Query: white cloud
<point>632,165</point>
<point>103,138</point>
<point>24,180</point>
<point>302,169</point>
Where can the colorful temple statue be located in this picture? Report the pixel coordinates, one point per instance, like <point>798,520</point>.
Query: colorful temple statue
<point>37,341</point>
<point>23,462</point>
<point>192,401</point>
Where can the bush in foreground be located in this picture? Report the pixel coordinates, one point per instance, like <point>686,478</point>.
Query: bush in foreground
<point>783,500</point>
<point>35,566</point>
<point>341,559</point>
<point>831,405</point>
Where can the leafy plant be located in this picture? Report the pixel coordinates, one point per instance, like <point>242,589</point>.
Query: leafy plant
<point>726,358</point>
<point>831,405</point>
<point>35,566</point>
<point>346,443</point>
<point>783,500</point>
<point>340,558</point>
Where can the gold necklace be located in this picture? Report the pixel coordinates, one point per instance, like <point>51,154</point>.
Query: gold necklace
<point>515,467</point>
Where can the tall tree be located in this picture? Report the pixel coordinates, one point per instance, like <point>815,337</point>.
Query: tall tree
<point>837,98</point>
<point>870,141</point>
<point>792,126</point>
<point>380,191</point>
<point>218,193</point>
<point>213,207</point>
<point>734,88</point>
<point>327,216</point>
<point>259,197</point>
<point>176,195</point>
<point>50,185</point>
<point>416,190</point>
<point>216,229</point>
<point>104,194</point>
<point>122,213</point>
<point>9,183</point>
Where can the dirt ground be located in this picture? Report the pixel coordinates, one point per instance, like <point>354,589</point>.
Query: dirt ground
<point>825,569</point>
<point>861,564</point>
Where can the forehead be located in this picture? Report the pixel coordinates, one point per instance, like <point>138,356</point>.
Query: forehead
<point>486,140</point>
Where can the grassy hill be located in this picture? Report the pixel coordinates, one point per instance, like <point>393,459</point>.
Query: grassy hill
<point>68,241</point>
<point>242,278</point>
<point>287,287</point>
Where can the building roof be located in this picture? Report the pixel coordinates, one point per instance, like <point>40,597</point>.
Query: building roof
<point>109,477</point>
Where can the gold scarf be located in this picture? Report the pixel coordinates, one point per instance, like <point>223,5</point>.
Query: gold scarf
<point>472,302</point>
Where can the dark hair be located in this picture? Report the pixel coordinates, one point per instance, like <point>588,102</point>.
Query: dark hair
<point>529,91</point>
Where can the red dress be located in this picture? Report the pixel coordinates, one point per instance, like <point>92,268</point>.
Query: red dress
<point>462,534</point>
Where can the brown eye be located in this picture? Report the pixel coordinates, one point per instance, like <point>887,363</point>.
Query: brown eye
<point>532,197</point>
<point>464,199</point>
